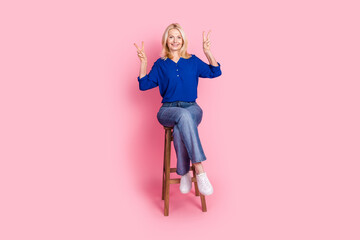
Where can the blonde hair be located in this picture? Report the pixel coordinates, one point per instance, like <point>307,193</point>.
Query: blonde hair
<point>165,52</point>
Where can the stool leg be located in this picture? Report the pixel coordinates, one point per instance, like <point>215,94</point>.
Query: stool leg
<point>163,181</point>
<point>197,193</point>
<point>203,203</point>
<point>167,170</point>
<point>195,183</point>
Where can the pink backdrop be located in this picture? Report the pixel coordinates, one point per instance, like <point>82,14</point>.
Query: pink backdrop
<point>81,148</point>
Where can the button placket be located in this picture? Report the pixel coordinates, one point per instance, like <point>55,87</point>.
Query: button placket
<point>177,70</point>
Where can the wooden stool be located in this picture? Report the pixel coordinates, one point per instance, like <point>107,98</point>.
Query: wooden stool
<point>166,175</point>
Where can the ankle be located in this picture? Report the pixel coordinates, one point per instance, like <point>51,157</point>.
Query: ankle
<point>198,168</point>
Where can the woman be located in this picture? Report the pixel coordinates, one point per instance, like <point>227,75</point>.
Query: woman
<point>176,73</point>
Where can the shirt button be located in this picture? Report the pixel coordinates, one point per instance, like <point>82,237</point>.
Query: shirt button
<point>176,69</point>
<point>177,75</point>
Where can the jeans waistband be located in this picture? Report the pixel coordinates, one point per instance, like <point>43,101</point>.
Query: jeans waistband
<point>177,104</point>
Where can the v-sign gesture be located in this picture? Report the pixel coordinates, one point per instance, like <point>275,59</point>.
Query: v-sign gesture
<point>206,46</point>
<point>141,52</point>
<point>206,42</point>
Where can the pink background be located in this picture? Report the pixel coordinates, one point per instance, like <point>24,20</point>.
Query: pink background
<point>81,148</point>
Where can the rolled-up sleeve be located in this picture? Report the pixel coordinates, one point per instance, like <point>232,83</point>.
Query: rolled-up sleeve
<point>150,80</point>
<point>207,70</point>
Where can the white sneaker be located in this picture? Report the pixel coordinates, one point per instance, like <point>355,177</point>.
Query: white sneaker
<point>204,184</point>
<point>185,183</point>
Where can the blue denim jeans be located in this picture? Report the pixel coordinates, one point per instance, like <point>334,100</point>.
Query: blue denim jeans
<point>185,118</point>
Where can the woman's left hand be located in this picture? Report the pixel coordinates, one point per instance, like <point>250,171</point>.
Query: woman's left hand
<point>206,42</point>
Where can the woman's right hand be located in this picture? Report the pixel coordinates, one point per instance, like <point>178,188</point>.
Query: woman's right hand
<point>141,52</point>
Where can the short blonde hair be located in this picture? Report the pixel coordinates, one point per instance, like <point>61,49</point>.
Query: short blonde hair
<point>165,53</point>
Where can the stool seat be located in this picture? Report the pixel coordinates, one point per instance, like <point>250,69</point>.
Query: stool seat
<point>166,174</point>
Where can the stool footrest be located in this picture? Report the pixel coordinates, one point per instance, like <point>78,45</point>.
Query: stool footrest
<point>177,180</point>
<point>174,180</point>
<point>174,169</point>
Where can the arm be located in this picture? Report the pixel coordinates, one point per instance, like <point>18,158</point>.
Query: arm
<point>143,59</point>
<point>207,70</point>
<point>148,81</point>
<point>143,66</point>
<point>213,69</point>
<point>211,58</point>
<point>206,48</point>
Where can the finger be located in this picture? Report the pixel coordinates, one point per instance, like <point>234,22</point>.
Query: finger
<point>204,36</point>
<point>142,45</point>
<point>136,46</point>
<point>207,37</point>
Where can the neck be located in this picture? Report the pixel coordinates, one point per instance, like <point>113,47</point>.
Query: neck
<point>175,54</point>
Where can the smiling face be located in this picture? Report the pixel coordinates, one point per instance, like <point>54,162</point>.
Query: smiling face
<point>174,40</point>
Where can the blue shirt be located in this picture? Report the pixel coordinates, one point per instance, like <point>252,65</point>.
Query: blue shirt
<point>178,81</point>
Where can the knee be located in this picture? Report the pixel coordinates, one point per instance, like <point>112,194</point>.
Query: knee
<point>185,117</point>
